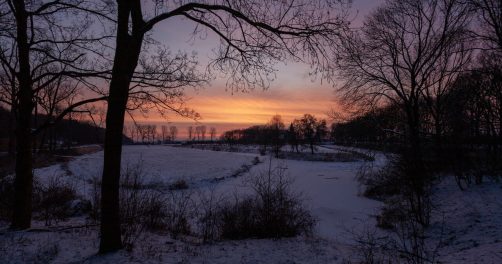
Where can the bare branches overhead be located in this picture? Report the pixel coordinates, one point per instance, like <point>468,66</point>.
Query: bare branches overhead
<point>405,49</point>
<point>254,35</point>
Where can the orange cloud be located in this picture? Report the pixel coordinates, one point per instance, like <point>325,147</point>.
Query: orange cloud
<point>253,109</point>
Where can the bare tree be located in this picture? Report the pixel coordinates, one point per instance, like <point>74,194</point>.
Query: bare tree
<point>164,133</point>
<point>152,132</point>
<point>197,133</point>
<point>40,49</point>
<point>276,127</point>
<point>490,22</point>
<point>406,52</point>
<point>140,131</point>
<point>294,135</point>
<point>133,133</point>
<point>406,49</point>
<point>310,129</point>
<point>190,133</point>
<point>202,130</point>
<point>212,133</point>
<point>173,132</point>
<point>8,80</point>
<point>253,34</point>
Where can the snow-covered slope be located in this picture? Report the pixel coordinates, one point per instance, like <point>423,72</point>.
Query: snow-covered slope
<point>473,218</point>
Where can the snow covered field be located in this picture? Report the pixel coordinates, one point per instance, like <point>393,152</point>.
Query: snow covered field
<point>330,187</point>
<point>332,196</point>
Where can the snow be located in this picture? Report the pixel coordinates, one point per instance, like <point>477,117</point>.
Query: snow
<point>473,217</point>
<point>160,165</point>
<point>472,221</point>
<point>333,196</point>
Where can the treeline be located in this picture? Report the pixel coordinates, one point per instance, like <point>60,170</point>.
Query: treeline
<point>199,133</point>
<point>152,134</point>
<point>467,116</point>
<point>430,72</point>
<point>307,130</point>
<point>378,128</point>
<point>63,134</point>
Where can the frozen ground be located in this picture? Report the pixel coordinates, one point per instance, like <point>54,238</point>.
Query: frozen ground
<point>469,222</point>
<point>160,164</point>
<point>329,187</point>
<point>321,153</point>
<point>332,196</point>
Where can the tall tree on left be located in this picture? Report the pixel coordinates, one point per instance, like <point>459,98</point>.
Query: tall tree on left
<point>253,35</point>
<point>23,183</point>
<point>41,49</point>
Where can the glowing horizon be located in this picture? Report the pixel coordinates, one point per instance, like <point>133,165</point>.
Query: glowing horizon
<point>291,94</point>
<point>225,111</point>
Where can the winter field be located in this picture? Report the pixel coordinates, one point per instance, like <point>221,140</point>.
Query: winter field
<point>466,229</point>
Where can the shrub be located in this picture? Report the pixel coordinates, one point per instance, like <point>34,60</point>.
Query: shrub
<point>382,183</point>
<point>256,161</point>
<point>145,209</point>
<point>154,211</point>
<point>53,201</point>
<point>140,208</point>
<point>208,218</point>
<point>178,185</point>
<point>370,248</point>
<point>391,214</point>
<point>180,208</point>
<point>6,198</point>
<point>272,211</point>
<point>95,194</point>
<point>238,220</point>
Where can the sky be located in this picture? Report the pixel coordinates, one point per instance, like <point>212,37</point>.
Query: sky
<point>292,93</point>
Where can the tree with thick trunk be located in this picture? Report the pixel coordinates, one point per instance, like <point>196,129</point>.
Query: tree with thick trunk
<point>253,35</point>
<point>38,51</point>
<point>407,53</point>
<point>23,182</point>
<point>127,50</point>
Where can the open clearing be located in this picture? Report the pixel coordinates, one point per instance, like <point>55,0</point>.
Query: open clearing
<point>330,189</point>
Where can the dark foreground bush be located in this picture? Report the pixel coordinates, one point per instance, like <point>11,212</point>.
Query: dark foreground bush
<point>179,184</point>
<point>53,200</point>
<point>404,185</point>
<point>383,182</point>
<point>272,211</point>
<point>140,209</point>
<point>402,179</point>
<point>6,198</point>
<point>145,209</point>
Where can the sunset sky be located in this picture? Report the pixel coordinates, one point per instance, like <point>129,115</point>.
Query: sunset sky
<point>292,93</point>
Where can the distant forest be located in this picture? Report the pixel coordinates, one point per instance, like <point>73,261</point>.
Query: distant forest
<point>470,114</point>
<point>67,132</point>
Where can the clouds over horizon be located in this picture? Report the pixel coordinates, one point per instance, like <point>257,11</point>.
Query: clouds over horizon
<point>292,93</point>
<point>256,107</point>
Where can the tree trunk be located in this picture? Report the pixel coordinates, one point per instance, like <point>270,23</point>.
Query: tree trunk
<point>41,143</point>
<point>23,182</point>
<point>438,133</point>
<point>12,129</point>
<point>125,61</point>
<point>110,215</point>
<point>415,169</point>
<point>35,124</point>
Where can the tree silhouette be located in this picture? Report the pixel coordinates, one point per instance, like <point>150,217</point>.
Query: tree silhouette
<point>253,34</point>
<point>42,58</point>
